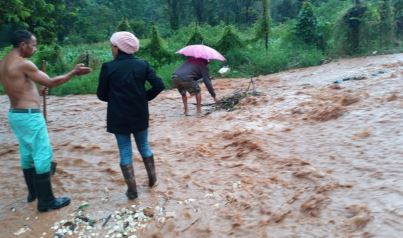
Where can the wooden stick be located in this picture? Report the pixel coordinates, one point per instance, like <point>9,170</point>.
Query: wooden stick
<point>44,94</point>
<point>45,115</point>
<point>191,224</point>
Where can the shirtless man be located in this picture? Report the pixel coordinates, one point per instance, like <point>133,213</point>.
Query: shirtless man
<point>19,76</point>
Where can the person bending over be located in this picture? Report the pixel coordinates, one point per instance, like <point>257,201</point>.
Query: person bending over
<point>185,80</point>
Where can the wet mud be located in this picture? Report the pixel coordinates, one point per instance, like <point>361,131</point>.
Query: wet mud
<point>312,155</point>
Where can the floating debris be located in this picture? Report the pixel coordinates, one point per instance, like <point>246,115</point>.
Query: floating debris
<point>86,219</point>
<point>83,206</point>
<point>190,200</point>
<point>107,220</point>
<point>148,211</point>
<point>228,103</point>
<point>236,185</point>
<point>378,73</point>
<point>350,78</point>
<point>191,224</point>
<point>22,230</point>
<point>209,195</point>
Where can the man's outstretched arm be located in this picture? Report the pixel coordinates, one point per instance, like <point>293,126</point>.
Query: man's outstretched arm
<point>33,73</point>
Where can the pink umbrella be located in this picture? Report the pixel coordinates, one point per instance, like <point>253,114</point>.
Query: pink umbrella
<point>201,51</point>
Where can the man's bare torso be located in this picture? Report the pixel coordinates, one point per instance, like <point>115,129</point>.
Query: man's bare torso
<point>21,91</point>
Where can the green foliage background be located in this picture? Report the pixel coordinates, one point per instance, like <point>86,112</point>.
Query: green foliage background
<point>301,33</point>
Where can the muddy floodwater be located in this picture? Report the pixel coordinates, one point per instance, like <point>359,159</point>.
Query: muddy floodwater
<point>307,157</point>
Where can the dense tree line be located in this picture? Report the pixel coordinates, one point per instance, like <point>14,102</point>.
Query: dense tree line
<point>256,36</point>
<point>87,21</point>
<point>73,21</point>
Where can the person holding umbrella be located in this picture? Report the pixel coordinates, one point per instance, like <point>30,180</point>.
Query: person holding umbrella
<point>195,67</point>
<point>122,86</point>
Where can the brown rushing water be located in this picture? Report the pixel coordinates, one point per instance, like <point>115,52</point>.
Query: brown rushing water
<point>308,158</point>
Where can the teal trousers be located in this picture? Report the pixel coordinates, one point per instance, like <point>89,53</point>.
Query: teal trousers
<point>34,145</point>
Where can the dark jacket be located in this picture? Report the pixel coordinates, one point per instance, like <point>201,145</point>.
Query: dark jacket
<point>194,69</point>
<point>122,85</point>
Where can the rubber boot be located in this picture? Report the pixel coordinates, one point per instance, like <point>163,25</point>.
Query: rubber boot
<point>128,174</point>
<point>46,199</point>
<point>29,176</point>
<point>53,166</point>
<point>150,167</point>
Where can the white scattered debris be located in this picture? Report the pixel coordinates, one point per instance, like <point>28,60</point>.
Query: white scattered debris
<point>105,199</point>
<point>224,70</point>
<point>170,215</point>
<point>121,223</point>
<point>22,230</point>
<point>187,201</point>
<point>236,185</point>
<point>209,195</point>
<point>161,219</point>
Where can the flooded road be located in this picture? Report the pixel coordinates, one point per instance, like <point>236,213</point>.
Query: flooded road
<point>306,158</point>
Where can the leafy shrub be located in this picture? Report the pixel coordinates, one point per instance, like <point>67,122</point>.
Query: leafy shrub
<point>306,28</point>
<point>124,25</point>
<point>196,38</point>
<point>140,28</point>
<point>156,50</point>
<point>229,41</point>
<point>52,54</point>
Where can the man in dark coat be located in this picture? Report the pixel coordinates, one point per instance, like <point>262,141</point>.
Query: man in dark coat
<point>122,85</point>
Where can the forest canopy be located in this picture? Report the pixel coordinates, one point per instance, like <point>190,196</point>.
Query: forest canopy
<point>256,36</point>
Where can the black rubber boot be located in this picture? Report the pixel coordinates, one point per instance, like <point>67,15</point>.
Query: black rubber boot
<point>53,166</point>
<point>150,167</point>
<point>128,174</point>
<point>46,199</point>
<point>29,175</point>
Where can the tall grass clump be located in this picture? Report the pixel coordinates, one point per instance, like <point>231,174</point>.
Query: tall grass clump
<point>155,51</point>
<point>257,61</point>
<point>124,25</point>
<point>85,84</point>
<point>306,28</point>
<point>55,63</point>
<point>196,38</point>
<point>229,41</point>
